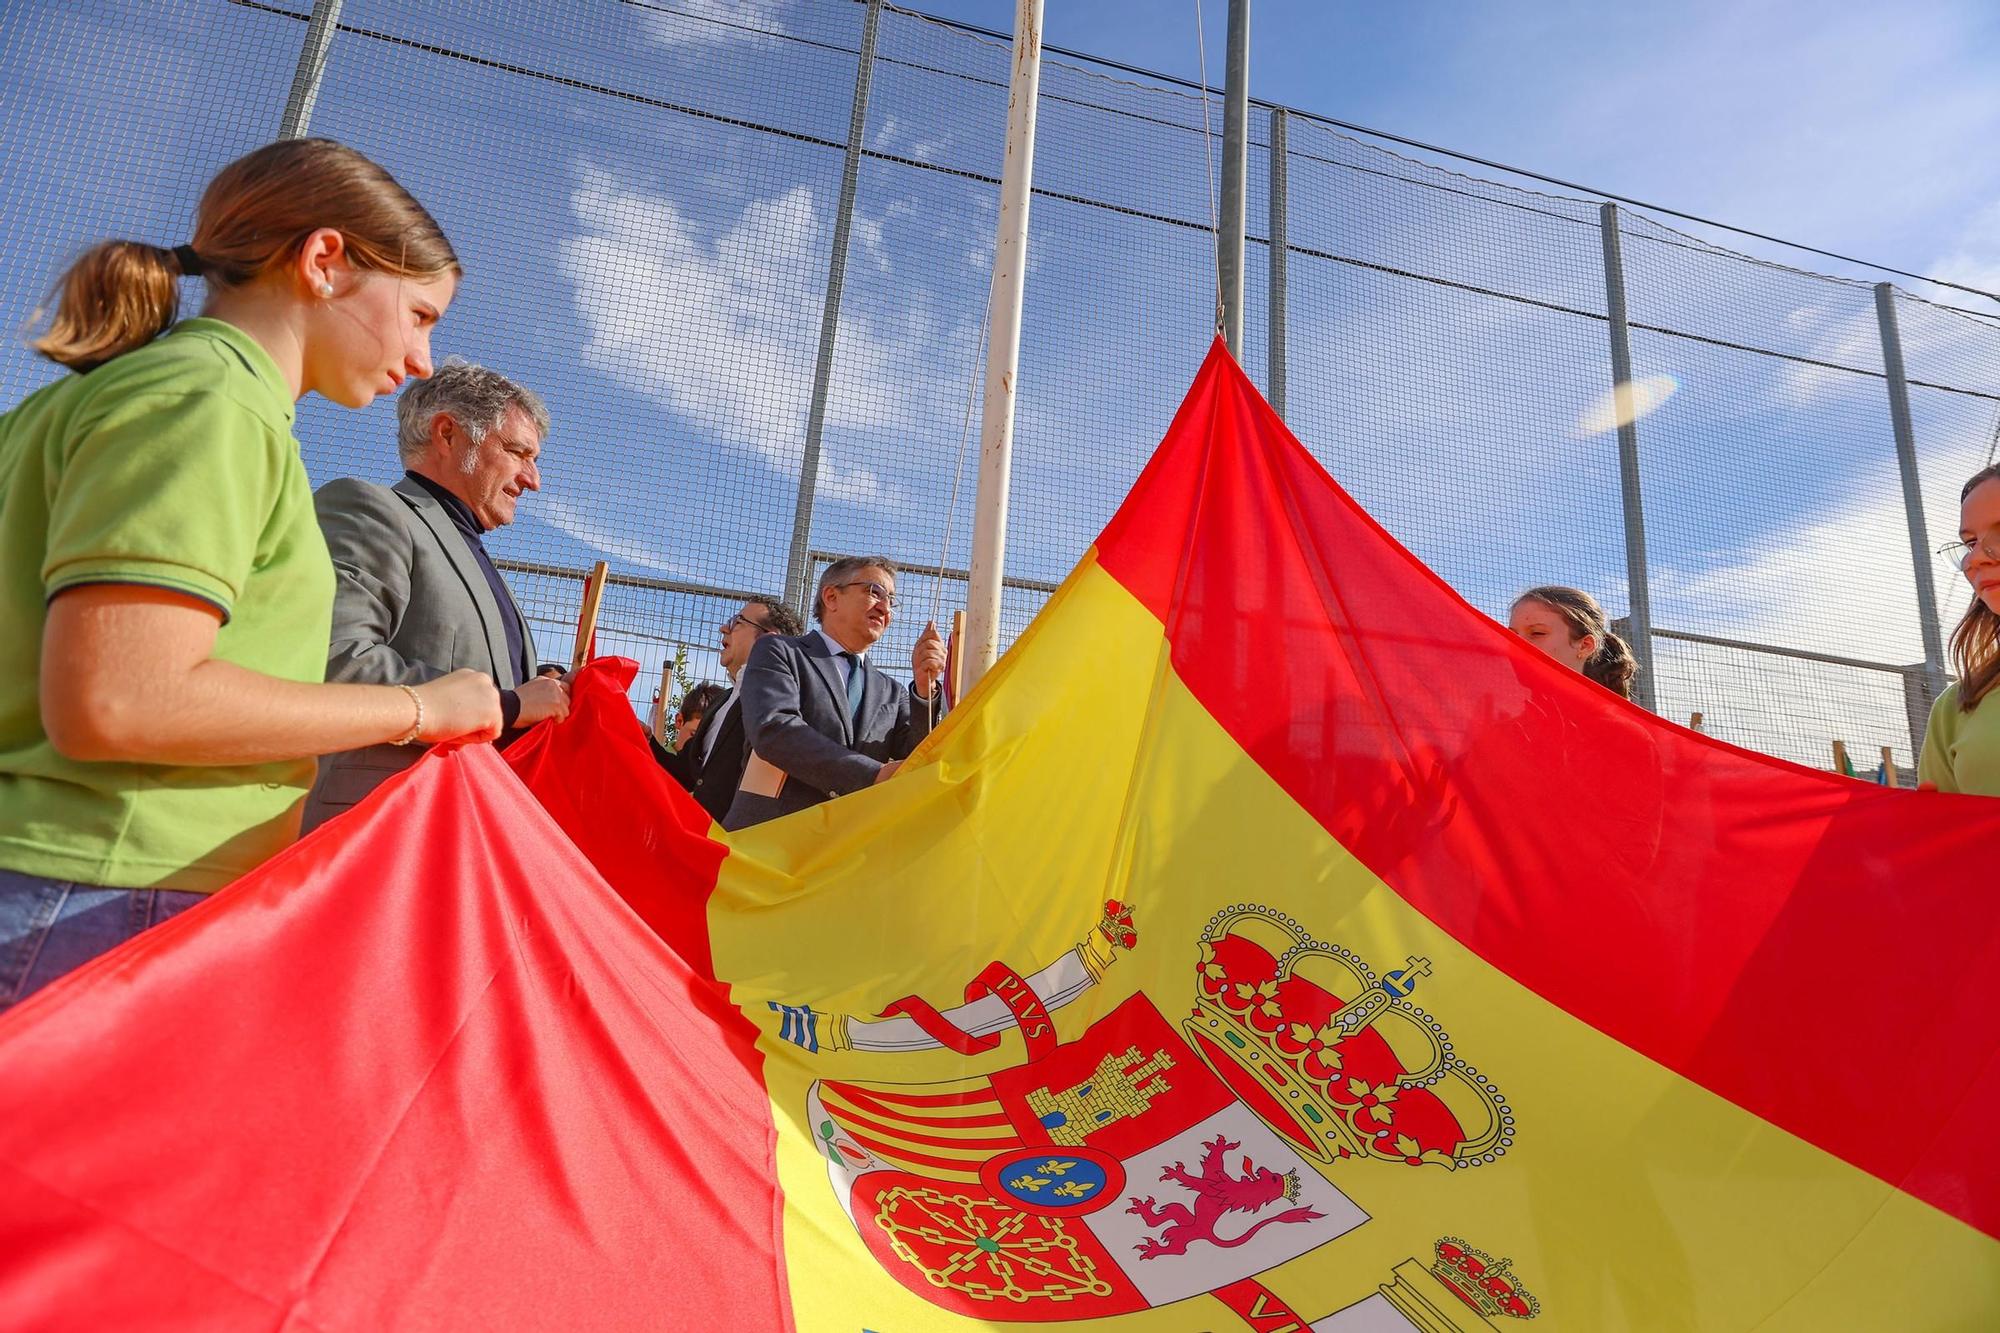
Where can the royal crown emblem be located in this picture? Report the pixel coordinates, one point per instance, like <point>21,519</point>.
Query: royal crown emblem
<point>1486,1284</point>
<point>1334,1056</point>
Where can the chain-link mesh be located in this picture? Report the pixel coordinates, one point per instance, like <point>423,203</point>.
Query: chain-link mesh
<point>649,196</point>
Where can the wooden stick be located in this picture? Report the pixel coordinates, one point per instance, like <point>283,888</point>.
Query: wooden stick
<point>1694,722</point>
<point>1840,764</point>
<point>956,664</point>
<point>586,621</point>
<point>660,701</point>
<point>1889,767</point>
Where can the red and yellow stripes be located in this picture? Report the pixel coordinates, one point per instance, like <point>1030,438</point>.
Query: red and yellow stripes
<point>1734,1006</point>
<point>1816,951</point>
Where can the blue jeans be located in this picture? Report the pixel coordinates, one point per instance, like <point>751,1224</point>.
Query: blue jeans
<point>52,926</point>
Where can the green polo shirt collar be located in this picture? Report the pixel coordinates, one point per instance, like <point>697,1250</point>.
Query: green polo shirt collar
<point>250,352</point>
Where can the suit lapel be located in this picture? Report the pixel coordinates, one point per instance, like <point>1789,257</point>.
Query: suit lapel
<point>452,542</point>
<point>529,661</point>
<point>821,657</point>
<point>729,740</point>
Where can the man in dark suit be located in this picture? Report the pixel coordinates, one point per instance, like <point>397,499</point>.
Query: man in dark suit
<point>415,593</point>
<point>820,718</point>
<point>710,765</point>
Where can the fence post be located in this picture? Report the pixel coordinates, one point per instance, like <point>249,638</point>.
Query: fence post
<point>796,567</point>
<point>311,69</point>
<point>1274,330</point>
<point>1235,161</point>
<point>1913,495</point>
<point>1639,587</point>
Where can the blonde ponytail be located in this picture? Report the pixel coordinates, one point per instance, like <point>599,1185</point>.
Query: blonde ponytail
<point>117,296</point>
<point>254,216</point>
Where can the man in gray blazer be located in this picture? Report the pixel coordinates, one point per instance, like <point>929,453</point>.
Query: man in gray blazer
<point>819,717</point>
<point>416,595</point>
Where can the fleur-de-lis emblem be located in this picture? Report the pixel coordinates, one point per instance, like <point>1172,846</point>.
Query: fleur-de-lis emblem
<point>1262,997</point>
<point>1211,969</point>
<point>1074,1189</point>
<point>1318,1048</point>
<point>1378,1099</point>
<point>1032,1184</point>
<point>1412,1152</point>
<point>1319,1043</point>
<point>1056,1166</point>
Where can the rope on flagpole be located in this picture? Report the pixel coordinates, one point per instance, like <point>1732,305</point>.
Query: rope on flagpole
<point>1208,143</point>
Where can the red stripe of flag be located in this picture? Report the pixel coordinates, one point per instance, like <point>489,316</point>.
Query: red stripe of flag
<point>1817,951</point>
<point>847,1093</point>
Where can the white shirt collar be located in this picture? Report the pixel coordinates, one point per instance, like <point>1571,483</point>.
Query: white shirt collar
<point>833,645</point>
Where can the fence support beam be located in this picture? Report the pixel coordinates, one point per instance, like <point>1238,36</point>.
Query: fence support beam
<point>1638,585</point>
<point>1913,492</point>
<point>1235,173</point>
<point>797,571</point>
<point>311,69</point>
<point>1274,327</point>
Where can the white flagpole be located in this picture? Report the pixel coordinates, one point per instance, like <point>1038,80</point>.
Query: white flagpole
<point>1003,349</point>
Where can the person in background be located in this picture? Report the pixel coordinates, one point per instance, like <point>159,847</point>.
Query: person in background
<point>712,767</point>
<point>1962,743</point>
<point>678,759</point>
<point>417,596</point>
<point>1569,625</point>
<point>692,716</point>
<point>822,718</point>
<point>164,589</point>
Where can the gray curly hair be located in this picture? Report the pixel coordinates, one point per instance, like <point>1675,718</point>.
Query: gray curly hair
<point>473,396</point>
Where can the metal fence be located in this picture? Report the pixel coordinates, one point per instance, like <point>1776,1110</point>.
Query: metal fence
<point>723,239</point>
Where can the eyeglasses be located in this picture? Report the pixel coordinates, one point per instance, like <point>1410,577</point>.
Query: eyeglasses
<point>1960,553</point>
<point>740,619</point>
<point>875,590</point>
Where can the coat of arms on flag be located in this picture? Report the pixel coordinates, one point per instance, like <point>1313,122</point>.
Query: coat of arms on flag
<point>1144,1161</point>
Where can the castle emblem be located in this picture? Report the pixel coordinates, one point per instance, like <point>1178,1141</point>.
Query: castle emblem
<point>1015,1195</point>
<point>1122,1086</point>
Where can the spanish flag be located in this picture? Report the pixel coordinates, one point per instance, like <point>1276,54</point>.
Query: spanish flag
<point>1269,942</point>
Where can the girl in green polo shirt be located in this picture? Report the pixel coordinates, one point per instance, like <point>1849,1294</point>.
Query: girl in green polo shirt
<point>165,595</point>
<point>1962,743</point>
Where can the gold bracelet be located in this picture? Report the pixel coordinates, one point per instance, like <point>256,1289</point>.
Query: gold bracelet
<point>416,727</point>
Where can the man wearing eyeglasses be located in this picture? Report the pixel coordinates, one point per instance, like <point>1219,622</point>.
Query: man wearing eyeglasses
<point>710,764</point>
<point>821,718</point>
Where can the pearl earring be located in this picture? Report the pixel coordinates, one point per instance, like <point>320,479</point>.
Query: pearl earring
<point>326,289</point>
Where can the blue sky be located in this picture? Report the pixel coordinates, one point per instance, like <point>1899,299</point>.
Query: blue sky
<point>1860,128</point>
<point>659,275</point>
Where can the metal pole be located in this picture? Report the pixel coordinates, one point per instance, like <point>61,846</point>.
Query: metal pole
<point>1274,329</point>
<point>1628,459</point>
<point>1235,166</point>
<point>1003,350</point>
<point>797,569</point>
<point>311,69</point>
<point>1913,492</point>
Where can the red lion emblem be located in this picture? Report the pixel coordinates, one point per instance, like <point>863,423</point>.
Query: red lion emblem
<point>1217,1194</point>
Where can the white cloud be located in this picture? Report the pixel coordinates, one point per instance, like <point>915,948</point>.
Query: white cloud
<point>724,331</point>
<point>898,140</point>
<point>605,532</point>
<point>1853,127</point>
<point>701,25</point>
